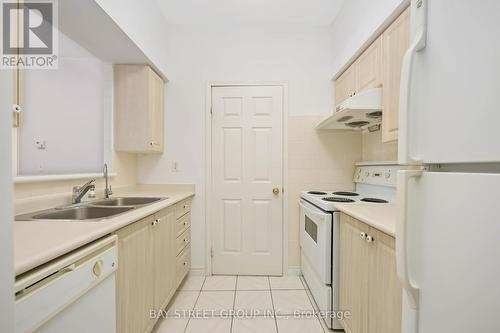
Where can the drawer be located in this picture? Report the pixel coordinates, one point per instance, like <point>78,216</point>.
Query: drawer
<point>183,240</point>
<point>182,208</point>
<point>182,224</point>
<point>183,264</point>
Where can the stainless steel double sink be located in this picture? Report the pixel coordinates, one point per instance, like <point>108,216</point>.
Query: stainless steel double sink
<point>97,210</point>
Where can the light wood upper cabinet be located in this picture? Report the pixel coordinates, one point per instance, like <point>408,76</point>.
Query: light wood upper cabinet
<point>395,42</point>
<point>369,67</point>
<point>134,287</point>
<point>345,85</point>
<point>369,286</point>
<point>138,109</point>
<point>364,73</point>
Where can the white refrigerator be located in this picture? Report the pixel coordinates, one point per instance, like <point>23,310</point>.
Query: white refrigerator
<point>448,228</point>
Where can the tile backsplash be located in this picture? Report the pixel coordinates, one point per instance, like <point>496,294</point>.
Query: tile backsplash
<point>375,150</point>
<point>317,160</point>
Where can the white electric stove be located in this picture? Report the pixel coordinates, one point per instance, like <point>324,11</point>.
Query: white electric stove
<point>319,230</point>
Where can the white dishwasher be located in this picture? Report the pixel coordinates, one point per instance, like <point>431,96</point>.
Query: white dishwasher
<point>74,293</point>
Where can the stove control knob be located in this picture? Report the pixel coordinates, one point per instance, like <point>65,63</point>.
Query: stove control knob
<point>362,235</point>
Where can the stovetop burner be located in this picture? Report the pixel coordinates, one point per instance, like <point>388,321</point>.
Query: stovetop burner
<point>376,200</point>
<point>338,199</point>
<point>347,194</point>
<point>317,192</point>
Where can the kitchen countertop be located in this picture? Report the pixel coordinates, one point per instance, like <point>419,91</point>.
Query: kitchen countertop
<point>379,216</point>
<point>38,242</point>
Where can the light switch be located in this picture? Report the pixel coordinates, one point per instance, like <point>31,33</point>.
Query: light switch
<point>175,166</point>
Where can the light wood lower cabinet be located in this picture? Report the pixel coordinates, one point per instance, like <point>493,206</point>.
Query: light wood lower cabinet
<point>134,287</point>
<point>164,254</point>
<point>369,287</point>
<point>151,266</point>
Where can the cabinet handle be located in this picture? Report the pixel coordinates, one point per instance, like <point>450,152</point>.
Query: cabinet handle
<point>185,223</point>
<point>185,263</point>
<point>363,235</point>
<point>370,239</point>
<point>155,222</point>
<point>159,220</point>
<point>185,206</point>
<point>185,240</point>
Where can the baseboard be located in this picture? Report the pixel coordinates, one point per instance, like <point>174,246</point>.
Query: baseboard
<point>294,271</point>
<point>197,271</point>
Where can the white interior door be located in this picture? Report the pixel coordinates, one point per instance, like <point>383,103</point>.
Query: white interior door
<point>247,164</point>
<point>453,229</point>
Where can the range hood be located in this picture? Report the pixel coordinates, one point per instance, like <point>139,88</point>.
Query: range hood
<point>358,112</point>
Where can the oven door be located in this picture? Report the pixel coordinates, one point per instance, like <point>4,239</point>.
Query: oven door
<point>316,239</point>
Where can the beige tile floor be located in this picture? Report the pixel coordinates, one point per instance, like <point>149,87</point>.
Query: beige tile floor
<point>240,304</point>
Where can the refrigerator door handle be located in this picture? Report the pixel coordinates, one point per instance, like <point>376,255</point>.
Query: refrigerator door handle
<point>419,7</point>
<point>402,263</point>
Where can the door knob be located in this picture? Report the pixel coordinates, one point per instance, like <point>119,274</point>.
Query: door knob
<point>276,190</point>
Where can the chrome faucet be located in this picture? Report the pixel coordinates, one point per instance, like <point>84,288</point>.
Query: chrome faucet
<point>80,191</point>
<point>107,191</point>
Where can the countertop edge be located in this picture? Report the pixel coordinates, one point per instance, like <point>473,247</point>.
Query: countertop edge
<point>372,220</point>
<point>32,262</point>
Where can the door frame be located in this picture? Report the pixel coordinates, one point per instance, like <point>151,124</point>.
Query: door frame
<point>208,168</point>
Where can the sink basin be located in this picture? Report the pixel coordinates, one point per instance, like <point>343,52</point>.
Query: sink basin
<point>125,201</point>
<point>78,213</point>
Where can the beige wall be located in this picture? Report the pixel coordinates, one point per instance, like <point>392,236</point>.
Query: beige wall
<point>317,160</point>
<point>124,165</point>
<point>375,150</point>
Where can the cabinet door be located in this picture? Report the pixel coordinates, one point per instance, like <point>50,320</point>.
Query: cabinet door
<point>368,67</point>
<point>156,105</point>
<point>345,85</point>
<point>385,291</point>
<point>164,254</point>
<point>395,42</point>
<point>138,109</point>
<point>135,289</point>
<point>353,282</point>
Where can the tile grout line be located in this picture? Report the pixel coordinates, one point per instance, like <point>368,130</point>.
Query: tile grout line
<point>234,303</point>
<point>313,303</point>
<point>272,303</point>
<point>199,293</point>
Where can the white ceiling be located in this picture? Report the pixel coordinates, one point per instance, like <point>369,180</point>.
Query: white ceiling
<point>251,12</point>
